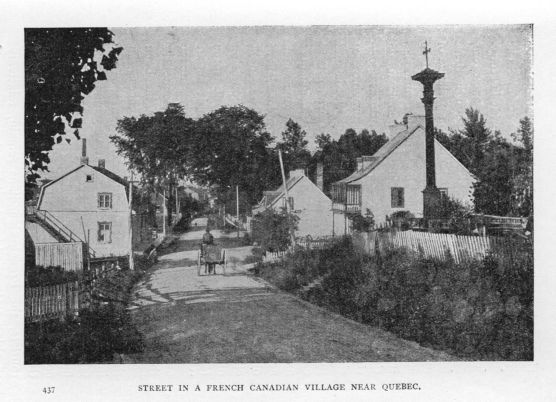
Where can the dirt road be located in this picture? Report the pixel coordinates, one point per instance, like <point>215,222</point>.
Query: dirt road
<point>186,318</point>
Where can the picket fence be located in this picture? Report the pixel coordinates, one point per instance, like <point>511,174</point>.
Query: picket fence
<point>317,243</point>
<point>440,245</point>
<point>48,302</point>
<point>69,256</point>
<point>274,256</point>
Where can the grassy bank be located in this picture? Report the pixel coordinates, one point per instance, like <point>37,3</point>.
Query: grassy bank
<point>474,310</point>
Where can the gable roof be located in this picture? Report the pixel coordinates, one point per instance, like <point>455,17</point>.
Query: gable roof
<point>380,155</point>
<point>270,197</point>
<point>111,175</point>
<point>276,194</point>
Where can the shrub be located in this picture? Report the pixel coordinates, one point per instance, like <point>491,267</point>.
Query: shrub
<point>272,230</point>
<point>40,276</point>
<point>364,223</point>
<point>93,337</point>
<point>475,309</point>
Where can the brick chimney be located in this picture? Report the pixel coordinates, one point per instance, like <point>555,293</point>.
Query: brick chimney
<point>297,173</point>
<point>84,157</point>
<point>364,161</point>
<point>102,163</point>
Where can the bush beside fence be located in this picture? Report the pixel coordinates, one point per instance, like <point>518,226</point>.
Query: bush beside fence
<point>480,308</point>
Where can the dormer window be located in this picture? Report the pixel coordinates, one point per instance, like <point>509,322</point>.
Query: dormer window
<point>89,178</point>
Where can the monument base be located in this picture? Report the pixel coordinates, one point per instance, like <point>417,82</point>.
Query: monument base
<point>431,203</point>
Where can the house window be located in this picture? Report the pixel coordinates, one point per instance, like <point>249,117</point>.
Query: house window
<point>105,200</point>
<point>290,199</point>
<point>89,178</point>
<point>105,232</point>
<point>443,194</point>
<point>397,197</point>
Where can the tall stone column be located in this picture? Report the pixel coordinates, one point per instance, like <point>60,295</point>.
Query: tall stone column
<point>431,194</point>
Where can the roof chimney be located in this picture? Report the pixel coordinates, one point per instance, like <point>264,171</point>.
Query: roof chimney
<point>84,157</point>
<point>359,162</point>
<point>102,163</point>
<point>297,173</point>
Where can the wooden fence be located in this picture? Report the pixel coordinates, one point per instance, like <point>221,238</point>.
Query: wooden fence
<point>69,256</point>
<point>48,302</point>
<point>440,245</point>
<point>274,256</point>
<point>317,243</point>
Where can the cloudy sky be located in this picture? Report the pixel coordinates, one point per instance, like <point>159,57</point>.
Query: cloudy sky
<point>327,79</point>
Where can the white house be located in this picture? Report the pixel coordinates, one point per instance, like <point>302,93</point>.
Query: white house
<point>307,201</point>
<point>89,203</point>
<point>394,177</point>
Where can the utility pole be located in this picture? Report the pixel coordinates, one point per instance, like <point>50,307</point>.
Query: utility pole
<point>237,210</point>
<point>164,212</point>
<point>292,235</point>
<point>177,202</point>
<point>131,264</point>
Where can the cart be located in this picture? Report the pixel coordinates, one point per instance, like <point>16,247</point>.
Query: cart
<point>211,255</point>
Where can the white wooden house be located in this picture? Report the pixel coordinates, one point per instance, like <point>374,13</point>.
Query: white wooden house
<point>394,177</point>
<point>89,203</point>
<point>307,201</point>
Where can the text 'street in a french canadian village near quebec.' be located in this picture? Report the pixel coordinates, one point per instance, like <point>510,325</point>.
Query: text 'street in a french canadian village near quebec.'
<point>319,194</point>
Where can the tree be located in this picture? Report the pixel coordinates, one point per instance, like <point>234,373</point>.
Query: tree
<point>156,147</point>
<point>522,184</point>
<point>503,170</point>
<point>339,157</point>
<point>61,66</point>
<point>230,147</point>
<point>476,136</point>
<point>323,141</point>
<point>294,147</point>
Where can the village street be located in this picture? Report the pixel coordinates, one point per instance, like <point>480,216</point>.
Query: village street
<point>186,318</point>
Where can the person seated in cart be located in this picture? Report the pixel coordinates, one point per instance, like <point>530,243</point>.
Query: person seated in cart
<point>208,238</point>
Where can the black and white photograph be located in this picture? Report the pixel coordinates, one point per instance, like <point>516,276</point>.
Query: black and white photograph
<point>210,197</point>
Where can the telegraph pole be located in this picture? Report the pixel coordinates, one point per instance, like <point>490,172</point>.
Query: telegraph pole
<point>237,210</point>
<point>131,263</point>
<point>292,235</point>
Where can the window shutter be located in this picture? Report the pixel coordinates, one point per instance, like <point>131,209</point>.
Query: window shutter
<point>99,232</point>
<point>110,200</point>
<point>393,197</point>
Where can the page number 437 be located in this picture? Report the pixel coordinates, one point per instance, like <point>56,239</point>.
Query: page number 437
<point>48,390</point>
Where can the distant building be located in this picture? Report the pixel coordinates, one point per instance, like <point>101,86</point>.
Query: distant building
<point>306,200</point>
<point>393,178</point>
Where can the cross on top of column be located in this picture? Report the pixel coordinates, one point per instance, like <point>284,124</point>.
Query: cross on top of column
<point>426,53</point>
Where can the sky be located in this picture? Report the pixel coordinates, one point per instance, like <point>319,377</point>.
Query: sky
<point>327,79</point>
